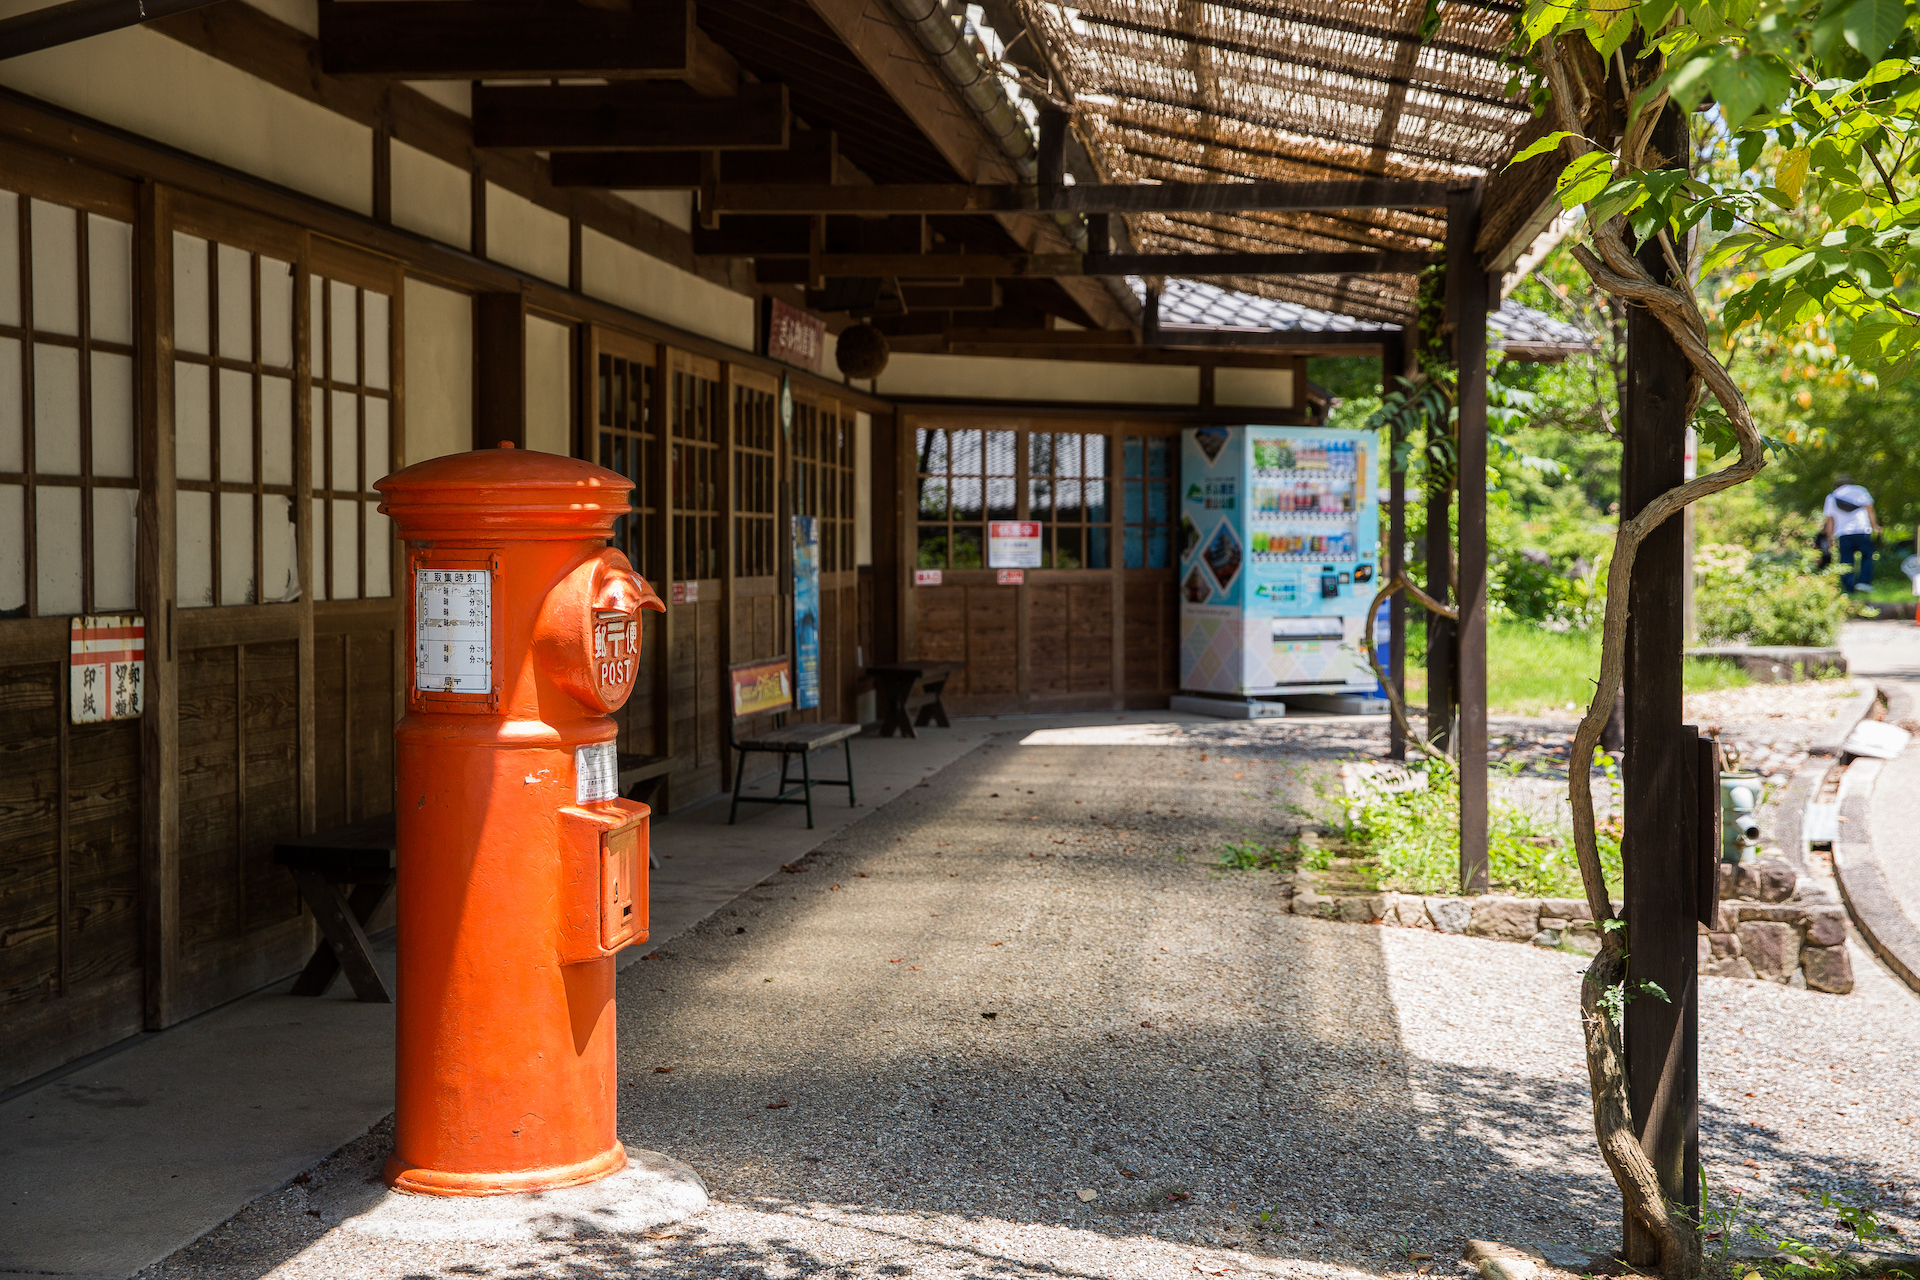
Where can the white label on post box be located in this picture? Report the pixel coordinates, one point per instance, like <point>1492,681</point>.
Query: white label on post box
<point>596,773</point>
<point>453,631</point>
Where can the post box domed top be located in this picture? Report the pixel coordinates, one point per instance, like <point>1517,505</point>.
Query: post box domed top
<point>504,493</point>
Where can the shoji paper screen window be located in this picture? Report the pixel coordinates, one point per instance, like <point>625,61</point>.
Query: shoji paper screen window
<point>233,423</point>
<point>352,439</point>
<point>67,456</point>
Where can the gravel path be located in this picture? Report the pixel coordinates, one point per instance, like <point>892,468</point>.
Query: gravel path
<point>1023,982</point>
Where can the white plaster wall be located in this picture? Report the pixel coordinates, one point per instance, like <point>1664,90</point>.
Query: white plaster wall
<point>526,237</point>
<point>626,277</point>
<point>862,488</point>
<point>158,88</point>
<point>439,363</point>
<point>1262,388</point>
<point>431,196</point>
<point>549,386</point>
<point>672,207</point>
<point>1005,378</point>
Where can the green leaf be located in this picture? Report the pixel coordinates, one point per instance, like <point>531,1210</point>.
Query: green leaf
<point>1792,269</point>
<point>1844,204</point>
<point>1868,344</point>
<point>1541,147</point>
<point>1687,82</point>
<point>1745,85</point>
<point>1871,25</point>
<point>1872,274</point>
<point>1584,179</point>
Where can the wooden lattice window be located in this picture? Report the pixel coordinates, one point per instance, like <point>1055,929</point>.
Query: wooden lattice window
<point>352,438</point>
<point>1067,493</point>
<point>694,410</point>
<point>233,340</point>
<point>967,477</point>
<point>755,488</point>
<point>1147,465</point>
<point>836,493</point>
<point>68,482</point>
<point>623,426</point>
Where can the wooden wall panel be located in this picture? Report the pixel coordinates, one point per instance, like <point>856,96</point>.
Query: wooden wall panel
<point>330,767</point>
<point>209,788</point>
<point>636,718</point>
<point>1152,631</point>
<point>370,730</point>
<point>1049,645</point>
<point>29,835</point>
<point>103,855</point>
<point>694,677</point>
<point>271,793</point>
<point>1090,637</point>
<point>992,650</point>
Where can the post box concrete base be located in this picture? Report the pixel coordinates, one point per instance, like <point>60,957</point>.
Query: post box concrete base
<point>652,1191</point>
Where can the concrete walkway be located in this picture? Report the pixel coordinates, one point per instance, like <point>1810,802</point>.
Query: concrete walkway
<point>1877,859</point>
<point>1021,1024</point>
<point>116,1165</point>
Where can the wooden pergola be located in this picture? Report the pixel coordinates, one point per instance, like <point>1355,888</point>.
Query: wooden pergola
<point>985,178</point>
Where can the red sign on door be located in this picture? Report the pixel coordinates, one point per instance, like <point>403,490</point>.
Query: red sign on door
<point>1012,577</point>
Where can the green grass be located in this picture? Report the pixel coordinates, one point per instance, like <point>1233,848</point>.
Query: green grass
<point>1531,670</point>
<point>1889,587</point>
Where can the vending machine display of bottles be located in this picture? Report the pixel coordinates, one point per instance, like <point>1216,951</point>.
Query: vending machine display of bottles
<point>1280,533</point>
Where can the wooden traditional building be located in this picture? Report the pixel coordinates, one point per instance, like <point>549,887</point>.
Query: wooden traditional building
<point>254,256</point>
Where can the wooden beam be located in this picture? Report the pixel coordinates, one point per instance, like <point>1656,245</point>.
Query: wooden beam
<point>499,370</point>
<point>632,117</point>
<point>967,295</point>
<point>1468,290</point>
<point>1086,197</point>
<point>811,156</point>
<point>1277,357</point>
<point>482,39</point>
<point>987,266</point>
<point>1659,845</point>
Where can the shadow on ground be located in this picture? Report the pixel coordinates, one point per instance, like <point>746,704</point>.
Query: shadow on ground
<point>1025,983</point>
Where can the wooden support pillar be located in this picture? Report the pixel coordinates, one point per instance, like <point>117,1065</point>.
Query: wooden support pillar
<point>1659,844</point>
<point>499,370</point>
<point>1394,361</point>
<point>1438,492</point>
<point>1467,296</point>
<point>1051,177</point>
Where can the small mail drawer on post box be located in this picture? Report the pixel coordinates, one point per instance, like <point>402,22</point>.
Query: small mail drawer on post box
<point>605,880</point>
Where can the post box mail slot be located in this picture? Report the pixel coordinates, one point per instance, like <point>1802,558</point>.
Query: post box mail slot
<point>605,879</point>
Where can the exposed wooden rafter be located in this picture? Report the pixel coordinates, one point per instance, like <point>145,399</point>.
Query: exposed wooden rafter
<point>990,266</point>
<point>1087,197</point>
<point>812,156</point>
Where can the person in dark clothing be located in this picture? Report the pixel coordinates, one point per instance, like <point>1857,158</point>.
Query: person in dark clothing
<point>1851,525</point>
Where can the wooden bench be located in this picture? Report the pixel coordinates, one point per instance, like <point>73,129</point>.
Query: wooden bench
<point>894,683</point>
<point>361,854</point>
<point>758,688</point>
<point>640,778</point>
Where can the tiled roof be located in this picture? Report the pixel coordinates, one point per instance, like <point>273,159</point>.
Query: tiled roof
<point>1191,302</point>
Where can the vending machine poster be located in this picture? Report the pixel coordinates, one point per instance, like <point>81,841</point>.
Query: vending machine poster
<point>806,611</point>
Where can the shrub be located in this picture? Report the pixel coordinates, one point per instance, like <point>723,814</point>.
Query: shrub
<point>1412,839</point>
<point>1742,599</point>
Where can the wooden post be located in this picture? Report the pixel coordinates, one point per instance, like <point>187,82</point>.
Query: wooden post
<point>1393,364</point>
<point>1051,176</point>
<point>1467,293</point>
<point>1658,847</point>
<point>499,370</point>
<point>160,719</point>
<point>1439,498</point>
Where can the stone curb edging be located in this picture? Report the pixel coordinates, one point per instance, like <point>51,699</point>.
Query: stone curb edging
<point>1766,930</point>
<point>1856,866</point>
<point>1858,708</point>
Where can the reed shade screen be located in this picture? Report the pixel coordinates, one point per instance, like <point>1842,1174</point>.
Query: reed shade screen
<point>755,495</point>
<point>695,409</point>
<point>1288,90</point>
<point>352,440</point>
<point>67,457</point>
<point>623,400</point>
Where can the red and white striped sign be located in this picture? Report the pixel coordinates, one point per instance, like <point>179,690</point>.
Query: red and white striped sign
<point>107,668</point>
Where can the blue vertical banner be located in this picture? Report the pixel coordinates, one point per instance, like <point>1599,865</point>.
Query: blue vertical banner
<point>806,611</point>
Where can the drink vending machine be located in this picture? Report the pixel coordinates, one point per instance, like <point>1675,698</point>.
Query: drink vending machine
<point>1279,555</point>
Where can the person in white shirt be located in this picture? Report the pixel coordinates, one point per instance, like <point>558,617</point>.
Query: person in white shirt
<point>1851,527</point>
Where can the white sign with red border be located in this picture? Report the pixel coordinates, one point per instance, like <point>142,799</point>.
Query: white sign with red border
<point>1013,544</point>
<point>107,668</point>
<point>926,577</point>
<point>1012,577</point>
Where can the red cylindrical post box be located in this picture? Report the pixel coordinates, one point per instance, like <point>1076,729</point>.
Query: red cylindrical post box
<point>522,872</point>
